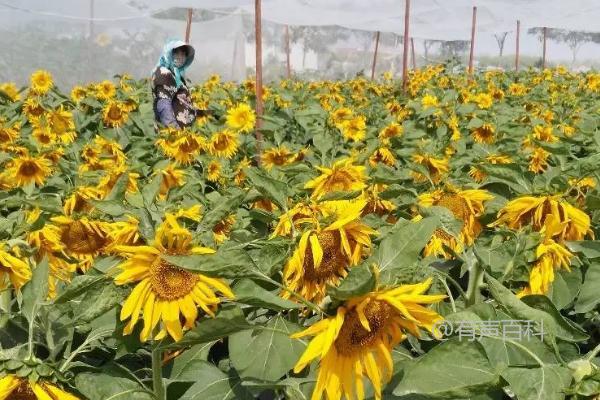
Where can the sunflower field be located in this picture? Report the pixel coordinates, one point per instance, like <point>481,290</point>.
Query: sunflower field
<point>363,243</point>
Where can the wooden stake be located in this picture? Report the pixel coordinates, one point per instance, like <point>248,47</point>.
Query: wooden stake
<point>544,52</point>
<point>188,26</point>
<point>375,55</point>
<point>287,52</point>
<point>259,100</point>
<point>517,46</point>
<point>473,25</point>
<point>405,40</point>
<point>412,50</point>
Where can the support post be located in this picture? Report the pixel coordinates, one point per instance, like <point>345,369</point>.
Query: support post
<point>375,55</point>
<point>405,40</point>
<point>188,25</point>
<point>287,52</point>
<point>544,51</point>
<point>517,46</point>
<point>259,100</point>
<point>412,51</point>
<point>473,27</point>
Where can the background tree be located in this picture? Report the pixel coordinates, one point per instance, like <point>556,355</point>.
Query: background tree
<point>573,39</point>
<point>501,39</point>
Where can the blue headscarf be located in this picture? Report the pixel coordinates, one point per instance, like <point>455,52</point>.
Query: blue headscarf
<point>166,59</point>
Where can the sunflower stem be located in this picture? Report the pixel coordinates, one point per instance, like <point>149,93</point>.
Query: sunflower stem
<point>157,381</point>
<point>475,281</point>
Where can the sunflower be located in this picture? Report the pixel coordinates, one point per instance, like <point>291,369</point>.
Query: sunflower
<point>41,82</point>
<point>105,90</point>
<point>164,290</point>
<point>222,229</point>
<point>171,178</point>
<point>108,181</point>
<point>184,148</point>
<point>359,339</point>
<point>114,114</point>
<point>123,233</point>
<point>276,156</point>
<point>9,134</point>
<point>377,205</point>
<point>392,130</point>
<point>340,116</point>
<point>343,176</point>
<point>102,154</point>
<point>538,160</point>
<point>78,93</point>
<point>28,170</point>
<point>82,238</point>
<point>354,129</point>
<point>382,155</point>
<point>296,216</point>
<point>265,205</point>
<point>429,101</point>
<point>79,200</point>
<point>47,243</point>
<point>54,155</point>
<point>483,100</point>
<point>241,118</point>
<point>478,175</point>
<point>550,255</point>
<point>324,255</point>
<point>223,144</point>
<point>437,167</point>
<point>13,387</point>
<point>32,108</point>
<point>535,211</point>
<point>466,206</point>
<point>544,133</point>
<point>62,124</point>
<point>43,134</point>
<point>10,90</point>
<point>580,188</point>
<point>240,175</point>
<point>14,267</point>
<point>213,171</point>
<point>484,134</point>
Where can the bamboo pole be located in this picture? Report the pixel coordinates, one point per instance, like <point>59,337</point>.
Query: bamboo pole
<point>259,100</point>
<point>405,40</point>
<point>517,46</point>
<point>188,25</point>
<point>471,53</point>
<point>544,51</point>
<point>412,50</point>
<point>375,55</point>
<point>287,52</point>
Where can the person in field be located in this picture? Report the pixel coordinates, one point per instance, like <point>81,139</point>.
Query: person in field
<point>172,103</point>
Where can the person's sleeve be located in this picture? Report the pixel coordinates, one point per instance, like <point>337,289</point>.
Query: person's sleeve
<point>165,113</point>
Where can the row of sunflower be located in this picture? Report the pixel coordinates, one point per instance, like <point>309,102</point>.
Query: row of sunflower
<point>321,262</point>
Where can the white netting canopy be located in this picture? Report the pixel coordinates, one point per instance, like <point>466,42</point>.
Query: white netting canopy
<point>82,40</point>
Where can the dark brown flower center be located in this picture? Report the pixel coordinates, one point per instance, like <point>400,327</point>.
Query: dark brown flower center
<point>333,261</point>
<point>22,392</point>
<point>456,204</point>
<point>170,282</point>
<point>28,168</point>
<point>354,337</point>
<point>114,113</point>
<point>80,239</point>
